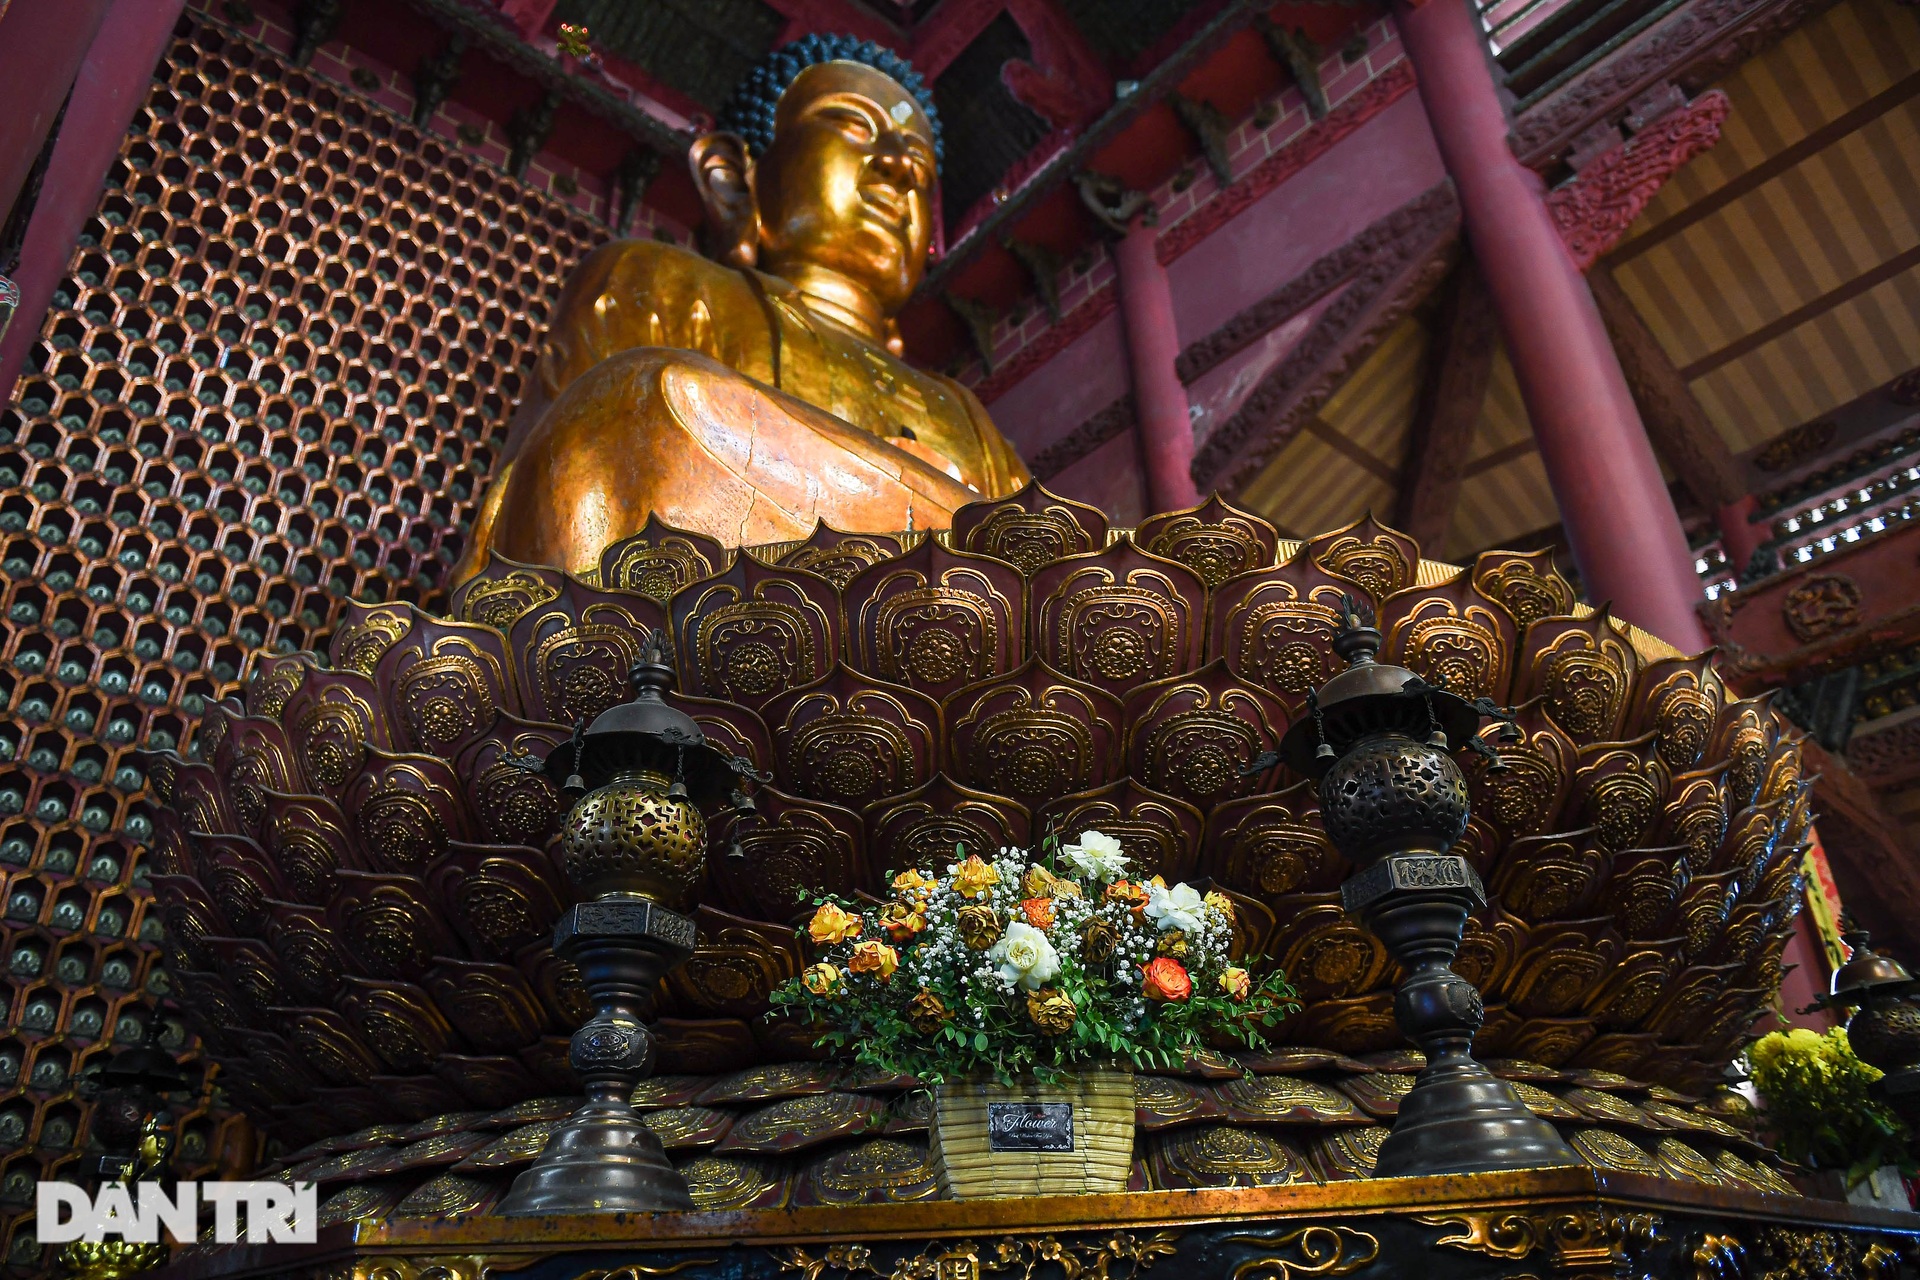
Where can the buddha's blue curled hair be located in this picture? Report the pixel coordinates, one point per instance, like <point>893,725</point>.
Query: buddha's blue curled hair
<point>749,111</point>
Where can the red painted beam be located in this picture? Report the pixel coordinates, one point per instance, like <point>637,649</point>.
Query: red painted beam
<point>1837,610</point>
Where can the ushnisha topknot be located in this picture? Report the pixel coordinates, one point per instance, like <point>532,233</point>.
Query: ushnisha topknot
<point>749,112</point>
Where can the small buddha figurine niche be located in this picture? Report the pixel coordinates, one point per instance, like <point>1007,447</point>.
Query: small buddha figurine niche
<point>748,395</point>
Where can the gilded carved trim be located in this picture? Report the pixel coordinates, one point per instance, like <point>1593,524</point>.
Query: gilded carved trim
<point>1120,1256</point>
<point>1317,1250</point>
<point>1576,1241</point>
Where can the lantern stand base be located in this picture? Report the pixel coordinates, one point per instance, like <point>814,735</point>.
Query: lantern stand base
<point>1458,1117</point>
<point>603,1158</point>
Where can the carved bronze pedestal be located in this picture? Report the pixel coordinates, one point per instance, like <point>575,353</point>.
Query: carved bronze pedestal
<point>1381,742</point>
<point>635,844</point>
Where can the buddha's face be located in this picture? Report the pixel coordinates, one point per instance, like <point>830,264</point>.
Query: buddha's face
<point>848,182</point>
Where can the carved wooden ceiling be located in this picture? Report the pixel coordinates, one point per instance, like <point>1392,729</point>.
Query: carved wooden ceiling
<point>1779,271</point>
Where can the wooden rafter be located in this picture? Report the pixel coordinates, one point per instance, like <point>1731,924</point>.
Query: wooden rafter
<point>1377,277</point>
<point>1459,371</point>
<point>1681,433</point>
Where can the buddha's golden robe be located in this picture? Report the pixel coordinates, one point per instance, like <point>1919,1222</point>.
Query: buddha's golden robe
<point>713,398</point>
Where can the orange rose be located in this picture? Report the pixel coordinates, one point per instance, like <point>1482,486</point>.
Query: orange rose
<point>1038,911</point>
<point>1130,892</point>
<point>1163,979</point>
<point>821,979</point>
<point>830,925</point>
<point>876,958</point>
<point>902,922</point>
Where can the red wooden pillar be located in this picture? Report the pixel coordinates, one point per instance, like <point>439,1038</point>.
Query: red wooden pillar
<point>1159,398</point>
<point>42,43</point>
<point>1619,519</point>
<point>1739,536</point>
<point>114,80</point>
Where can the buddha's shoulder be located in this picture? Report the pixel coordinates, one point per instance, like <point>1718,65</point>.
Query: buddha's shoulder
<point>654,267</point>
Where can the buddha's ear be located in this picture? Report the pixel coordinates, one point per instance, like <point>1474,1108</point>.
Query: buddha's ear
<point>723,174</point>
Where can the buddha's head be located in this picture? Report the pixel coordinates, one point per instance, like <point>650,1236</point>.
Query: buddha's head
<point>825,165</point>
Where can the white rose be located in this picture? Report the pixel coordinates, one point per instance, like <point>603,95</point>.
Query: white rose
<point>1180,907</point>
<point>1096,856</point>
<point>1025,956</point>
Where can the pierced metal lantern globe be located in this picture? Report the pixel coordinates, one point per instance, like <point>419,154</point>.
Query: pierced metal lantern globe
<point>1381,741</point>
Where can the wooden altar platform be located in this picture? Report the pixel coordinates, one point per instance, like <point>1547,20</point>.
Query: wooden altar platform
<point>1547,1223</point>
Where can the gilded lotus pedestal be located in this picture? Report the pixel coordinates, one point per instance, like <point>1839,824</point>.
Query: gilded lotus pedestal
<point>362,869</point>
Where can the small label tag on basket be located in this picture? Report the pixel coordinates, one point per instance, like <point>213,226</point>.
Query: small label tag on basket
<point>1029,1126</point>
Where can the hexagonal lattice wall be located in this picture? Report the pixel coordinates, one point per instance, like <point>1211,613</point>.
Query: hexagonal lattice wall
<point>276,377</point>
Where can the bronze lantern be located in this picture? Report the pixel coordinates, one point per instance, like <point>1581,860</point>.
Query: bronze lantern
<point>1380,742</point>
<point>1883,1027</point>
<point>634,847</point>
<point>131,1120</point>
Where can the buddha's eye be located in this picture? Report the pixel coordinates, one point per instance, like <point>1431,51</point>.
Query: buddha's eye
<point>851,122</point>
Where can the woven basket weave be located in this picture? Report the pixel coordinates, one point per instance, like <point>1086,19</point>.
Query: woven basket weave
<point>1102,1155</point>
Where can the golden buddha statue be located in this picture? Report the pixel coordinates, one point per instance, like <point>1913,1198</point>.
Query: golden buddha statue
<point>750,395</point>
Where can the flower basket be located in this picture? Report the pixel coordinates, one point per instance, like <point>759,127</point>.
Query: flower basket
<point>1032,1139</point>
<point>1025,991</point>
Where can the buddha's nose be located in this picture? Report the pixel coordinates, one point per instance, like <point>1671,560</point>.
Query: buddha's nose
<point>892,162</point>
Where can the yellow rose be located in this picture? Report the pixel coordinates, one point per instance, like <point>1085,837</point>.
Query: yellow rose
<point>830,925</point>
<point>874,957</point>
<point>911,886</point>
<point>1221,903</point>
<point>972,878</point>
<point>979,927</point>
<point>821,979</point>
<point>1235,982</point>
<point>1172,943</point>
<point>928,1012</point>
<point>1051,1011</point>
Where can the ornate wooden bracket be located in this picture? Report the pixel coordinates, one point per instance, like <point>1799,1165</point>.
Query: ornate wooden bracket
<point>979,319</point>
<point>1043,267</point>
<point>436,77</point>
<point>529,130</point>
<point>1594,210</point>
<point>1296,51</point>
<point>630,181</point>
<point>1210,126</point>
<point>1113,202</point>
<point>314,23</point>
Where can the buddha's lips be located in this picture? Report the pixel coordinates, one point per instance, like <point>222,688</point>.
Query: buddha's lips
<point>893,208</point>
